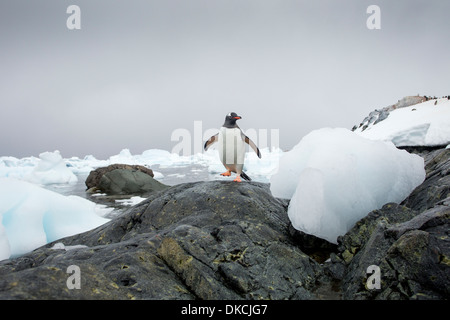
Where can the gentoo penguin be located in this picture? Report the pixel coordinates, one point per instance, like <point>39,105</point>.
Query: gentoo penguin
<point>231,145</point>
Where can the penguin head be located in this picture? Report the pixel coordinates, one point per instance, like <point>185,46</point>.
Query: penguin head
<point>230,119</point>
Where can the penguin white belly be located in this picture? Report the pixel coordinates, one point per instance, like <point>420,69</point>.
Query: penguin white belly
<point>231,149</point>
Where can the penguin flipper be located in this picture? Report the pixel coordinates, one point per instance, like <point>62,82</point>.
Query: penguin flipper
<point>211,141</point>
<point>245,176</point>
<point>252,144</point>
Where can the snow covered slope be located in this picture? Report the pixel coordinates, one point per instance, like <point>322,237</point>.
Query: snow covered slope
<point>423,124</point>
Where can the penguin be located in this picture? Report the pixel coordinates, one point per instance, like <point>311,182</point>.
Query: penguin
<point>231,145</point>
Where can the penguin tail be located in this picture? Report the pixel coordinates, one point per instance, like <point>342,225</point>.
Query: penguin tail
<point>245,176</point>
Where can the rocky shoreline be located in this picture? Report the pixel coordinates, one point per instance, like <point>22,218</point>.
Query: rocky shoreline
<point>223,240</point>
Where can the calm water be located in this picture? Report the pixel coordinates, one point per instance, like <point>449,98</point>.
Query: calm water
<point>171,176</point>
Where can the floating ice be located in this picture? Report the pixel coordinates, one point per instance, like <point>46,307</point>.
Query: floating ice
<point>132,201</point>
<point>259,169</point>
<point>17,168</point>
<point>51,169</point>
<point>124,157</point>
<point>5,250</point>
<point>335,177</point>
<point>85,165</point>
<point>265,166</point>
<point>31,216</point>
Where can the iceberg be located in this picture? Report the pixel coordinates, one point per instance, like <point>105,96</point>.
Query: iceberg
<point>334,177</point>
<point>5,250</point>
<point>124,157</point>
<point>51,169</point>
<point>17,168</point>
<point>31,216</point>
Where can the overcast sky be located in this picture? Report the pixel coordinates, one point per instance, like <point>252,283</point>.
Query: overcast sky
<point>137,71</point>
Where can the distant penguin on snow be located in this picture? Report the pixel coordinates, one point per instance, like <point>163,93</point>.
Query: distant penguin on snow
<point>231,145</point>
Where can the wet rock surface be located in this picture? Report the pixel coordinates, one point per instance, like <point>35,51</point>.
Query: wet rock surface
<point>123,179</point>
<point>206,240</point>
<point>226,240</point>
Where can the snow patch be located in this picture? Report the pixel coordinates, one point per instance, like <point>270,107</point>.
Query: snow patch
<point>423,124</point>
<point>61,246</point>
<point>131,201</point>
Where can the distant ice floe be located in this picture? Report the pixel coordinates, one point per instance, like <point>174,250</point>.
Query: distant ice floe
<point>132,201</point>
<point>51,168</point>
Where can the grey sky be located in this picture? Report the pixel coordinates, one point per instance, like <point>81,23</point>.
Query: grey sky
<point>138,70</point>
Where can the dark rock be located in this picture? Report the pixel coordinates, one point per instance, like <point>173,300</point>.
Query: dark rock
<point>317,248</point>
<point>355,239</point>
<point>93,180</point>
<point>128,182</point>
<point>335,268</point>
<point>436,186</point>
<point>123,179</point>
<point>383,114</point>
<point>412,256</point>
<point>205,240</point>
<point>226,240</point>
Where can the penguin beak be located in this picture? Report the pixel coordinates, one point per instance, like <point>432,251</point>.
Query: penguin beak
<point>237,118</point>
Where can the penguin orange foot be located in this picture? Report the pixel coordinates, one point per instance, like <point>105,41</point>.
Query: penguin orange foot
<point>237,179</point>
<point>226,174</point>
